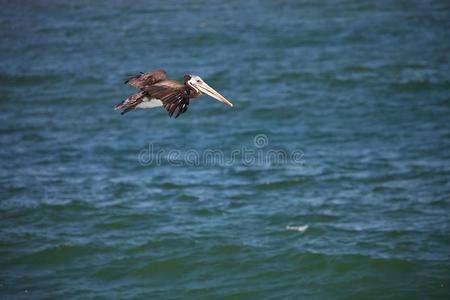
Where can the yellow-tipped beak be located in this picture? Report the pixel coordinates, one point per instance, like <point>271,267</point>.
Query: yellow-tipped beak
<point>204,88</point>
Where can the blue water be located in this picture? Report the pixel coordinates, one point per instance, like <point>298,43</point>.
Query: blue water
<point>354,95</point>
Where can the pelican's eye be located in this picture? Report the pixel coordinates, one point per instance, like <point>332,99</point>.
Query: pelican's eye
<point>198,80</point>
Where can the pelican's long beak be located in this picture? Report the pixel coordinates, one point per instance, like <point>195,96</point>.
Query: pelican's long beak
<point>204,88</point>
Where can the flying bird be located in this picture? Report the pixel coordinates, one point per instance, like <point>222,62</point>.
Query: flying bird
<point>156,90</point>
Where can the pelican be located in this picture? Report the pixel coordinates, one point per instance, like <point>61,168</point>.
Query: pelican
<point>156,90</point>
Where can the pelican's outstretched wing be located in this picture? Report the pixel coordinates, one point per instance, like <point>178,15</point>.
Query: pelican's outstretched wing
<point>174,96</point>
<point>145,79</point>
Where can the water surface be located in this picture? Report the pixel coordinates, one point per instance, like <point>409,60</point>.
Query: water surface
<point>362,90</point>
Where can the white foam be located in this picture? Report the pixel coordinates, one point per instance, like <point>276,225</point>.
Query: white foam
<point>297,228</point>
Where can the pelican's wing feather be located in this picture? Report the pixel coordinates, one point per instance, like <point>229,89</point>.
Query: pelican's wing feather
<point>145,79</point>
<point>174,96</point>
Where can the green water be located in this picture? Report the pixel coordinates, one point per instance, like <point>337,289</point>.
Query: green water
<point>355,95</point>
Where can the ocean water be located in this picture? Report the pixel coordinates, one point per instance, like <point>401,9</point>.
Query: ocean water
<point>330,179</point>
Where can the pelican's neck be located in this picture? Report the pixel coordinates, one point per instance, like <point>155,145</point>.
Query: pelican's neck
<point>193,92</point>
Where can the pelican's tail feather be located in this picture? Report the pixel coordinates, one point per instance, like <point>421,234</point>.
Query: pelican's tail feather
<point>131,102</point>
<point>120,105</point>
<point>128,109</point>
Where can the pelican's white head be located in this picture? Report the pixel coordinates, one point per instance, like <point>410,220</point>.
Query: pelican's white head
<point>200,86</point>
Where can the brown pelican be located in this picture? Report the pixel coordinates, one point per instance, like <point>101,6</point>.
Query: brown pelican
<point>155,90</point>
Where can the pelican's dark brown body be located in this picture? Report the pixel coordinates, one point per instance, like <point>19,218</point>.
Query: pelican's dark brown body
<point>156,90</point>
<point>155,86</point>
